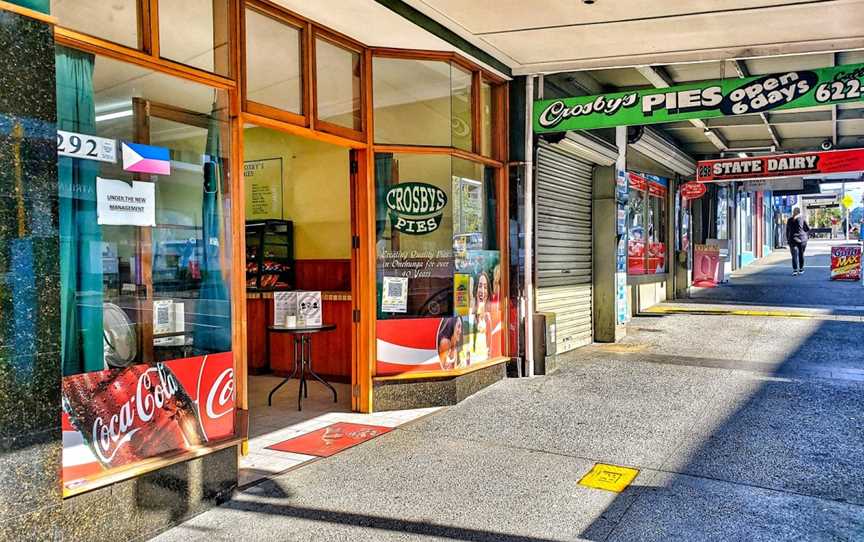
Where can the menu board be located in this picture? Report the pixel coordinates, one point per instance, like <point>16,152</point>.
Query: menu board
<point>263,184</point>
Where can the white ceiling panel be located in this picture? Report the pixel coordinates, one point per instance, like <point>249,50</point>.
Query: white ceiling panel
<point>486,16</point>
<point>794,23</point>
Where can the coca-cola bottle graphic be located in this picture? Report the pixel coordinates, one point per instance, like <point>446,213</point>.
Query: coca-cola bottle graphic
<point>127,415</point>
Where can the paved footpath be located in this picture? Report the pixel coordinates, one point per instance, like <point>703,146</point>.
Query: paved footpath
<point>743,427</point>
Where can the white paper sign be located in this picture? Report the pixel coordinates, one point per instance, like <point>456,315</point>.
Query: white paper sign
<point>309,308</point>
<point>284,305</point>
<point>789,183</point>
<point>394,294</point>
<point>120,204</point>
<point>86,146</point>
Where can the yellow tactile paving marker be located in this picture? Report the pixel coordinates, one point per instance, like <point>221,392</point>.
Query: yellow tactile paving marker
<point>659,309</point>
<point>609,477</point>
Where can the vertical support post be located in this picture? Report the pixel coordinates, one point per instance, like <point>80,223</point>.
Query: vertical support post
<point>528,233</point>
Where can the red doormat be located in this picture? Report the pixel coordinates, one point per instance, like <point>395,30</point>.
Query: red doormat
<point>331,439</point>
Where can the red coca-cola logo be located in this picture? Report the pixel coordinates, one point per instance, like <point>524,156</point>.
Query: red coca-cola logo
<point>150,395</point>
<point>127,415</point>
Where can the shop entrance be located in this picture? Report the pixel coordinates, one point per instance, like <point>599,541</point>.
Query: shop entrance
<point>298,204</point>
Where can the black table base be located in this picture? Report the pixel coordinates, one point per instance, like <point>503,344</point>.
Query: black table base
<point>303,366</point>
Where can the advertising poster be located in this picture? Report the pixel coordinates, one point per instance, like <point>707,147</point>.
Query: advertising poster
<point>472,334</point>
<point>846,262</point>
<point>263,184</point>
<point>706,263</point>
<point>118,417</point>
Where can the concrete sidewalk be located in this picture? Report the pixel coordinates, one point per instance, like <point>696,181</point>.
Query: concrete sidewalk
<point>769,282</point>
<point>734,436</point>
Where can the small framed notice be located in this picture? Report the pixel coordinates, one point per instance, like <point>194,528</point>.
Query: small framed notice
<point>394,294</point>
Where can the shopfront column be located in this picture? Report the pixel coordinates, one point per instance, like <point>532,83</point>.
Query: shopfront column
<point>607,327</point>
<point>29,280</point>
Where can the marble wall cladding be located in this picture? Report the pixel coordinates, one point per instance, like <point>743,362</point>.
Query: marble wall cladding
<point>31,503</point>
<point>30,436</point>
<point>143,506</point>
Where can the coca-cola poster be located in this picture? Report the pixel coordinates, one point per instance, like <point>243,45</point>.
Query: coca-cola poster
<point>118,417</point>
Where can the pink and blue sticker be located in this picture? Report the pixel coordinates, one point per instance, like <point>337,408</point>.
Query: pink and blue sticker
<point>139,158</point>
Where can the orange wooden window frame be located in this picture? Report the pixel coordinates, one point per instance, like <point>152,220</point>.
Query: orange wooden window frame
<point>307,125</point>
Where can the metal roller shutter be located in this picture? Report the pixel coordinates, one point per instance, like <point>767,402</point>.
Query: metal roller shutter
<point>563,244</point>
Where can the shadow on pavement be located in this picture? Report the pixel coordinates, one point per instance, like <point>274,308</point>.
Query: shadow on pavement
<point>367,521</point>
<point>787,462</point>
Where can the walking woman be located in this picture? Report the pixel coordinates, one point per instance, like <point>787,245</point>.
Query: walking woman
<point>796,236</point>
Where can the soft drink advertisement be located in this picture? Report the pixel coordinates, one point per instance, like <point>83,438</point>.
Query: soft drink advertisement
<point>118,417</point>
<point>472,334</point>
<point>706,261</point>
<point>846,262</point>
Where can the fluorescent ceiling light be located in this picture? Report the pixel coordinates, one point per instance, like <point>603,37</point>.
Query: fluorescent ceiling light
<point>114,115</point>
<point>742,155</point>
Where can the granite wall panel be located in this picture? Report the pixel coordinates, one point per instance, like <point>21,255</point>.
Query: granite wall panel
<point>31,503</point>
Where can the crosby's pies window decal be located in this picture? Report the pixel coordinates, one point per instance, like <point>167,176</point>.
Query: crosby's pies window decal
<point>439,267</point>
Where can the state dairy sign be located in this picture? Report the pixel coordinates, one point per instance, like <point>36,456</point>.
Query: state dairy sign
<point>734,96</point>
<point>780,165</point>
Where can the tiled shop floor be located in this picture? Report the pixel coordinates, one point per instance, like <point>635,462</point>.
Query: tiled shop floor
<point>269,425</point>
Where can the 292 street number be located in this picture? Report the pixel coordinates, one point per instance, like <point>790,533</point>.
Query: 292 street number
<point>86,146</point>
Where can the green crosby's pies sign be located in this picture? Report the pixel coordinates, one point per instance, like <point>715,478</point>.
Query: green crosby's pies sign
<point>788,90</point>
<point>415,208</point>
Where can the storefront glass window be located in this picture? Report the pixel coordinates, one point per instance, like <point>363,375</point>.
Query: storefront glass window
<point>337,84</point>
<point>646,224</point>
<point>412,101</point>
<point>439,271</point>
<point>112,20</point>
<point>195,33</point>
<point>722,213</point>
<point>486,119</point>
<point>144,260</point>
<point>460,98</point>
<point>273,80</point>
<point>747,222</point>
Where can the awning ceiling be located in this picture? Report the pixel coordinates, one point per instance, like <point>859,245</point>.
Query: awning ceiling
<point>627,44</point>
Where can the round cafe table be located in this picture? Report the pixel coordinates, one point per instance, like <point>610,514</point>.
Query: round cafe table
<point>302,359</point>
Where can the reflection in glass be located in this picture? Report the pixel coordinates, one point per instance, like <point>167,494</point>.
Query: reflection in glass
<point>412,101</point>
<point>337,84</point>
<point>486,119</point>
<point>112,20</point>
<point>195,33</point>
<point>460,99</point>
<point>271,79</point>
<point>160,290</point>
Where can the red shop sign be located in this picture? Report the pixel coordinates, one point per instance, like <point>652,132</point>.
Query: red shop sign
<point>693,190</point>
<point>780,165</point>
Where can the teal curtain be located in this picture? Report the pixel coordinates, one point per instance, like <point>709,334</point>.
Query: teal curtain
<point>80,235</point>
<point>38,5</point>
<point>383,181</point>
<point>490,226</point>
<point>213,323</point>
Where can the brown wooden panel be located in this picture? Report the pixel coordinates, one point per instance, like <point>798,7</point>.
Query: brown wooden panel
<point>256,334</point>
<point>331,351</point>
<point>323,275</point>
